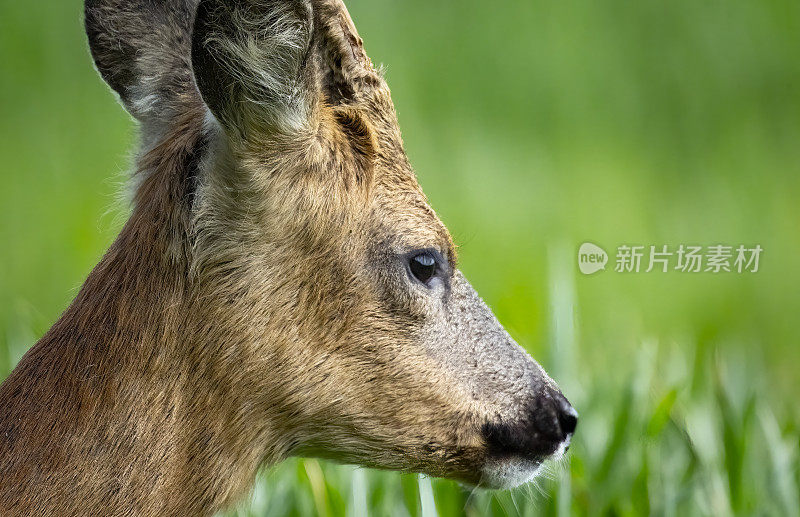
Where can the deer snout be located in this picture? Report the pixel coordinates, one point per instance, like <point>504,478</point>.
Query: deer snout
<point>517,449</point>
<point>545,428</point>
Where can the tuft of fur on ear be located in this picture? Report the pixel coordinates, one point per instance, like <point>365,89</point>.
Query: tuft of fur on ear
<point>267,67</point>
<point>249,59</point>
<point>141,48</point>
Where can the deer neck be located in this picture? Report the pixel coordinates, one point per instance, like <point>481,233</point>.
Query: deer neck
<point>134,383</point>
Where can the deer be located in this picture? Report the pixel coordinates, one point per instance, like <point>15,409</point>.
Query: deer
<point>281,288</point>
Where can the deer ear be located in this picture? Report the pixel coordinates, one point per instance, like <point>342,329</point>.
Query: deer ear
<point>269,66</point>
<point>250,61</point>
<point>346,70</point>
<point>141,48</point>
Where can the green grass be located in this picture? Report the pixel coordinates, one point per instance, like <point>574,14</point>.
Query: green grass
<point>534,126</point>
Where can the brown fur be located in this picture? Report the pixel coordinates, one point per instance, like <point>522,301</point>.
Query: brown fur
<point>253,307</point>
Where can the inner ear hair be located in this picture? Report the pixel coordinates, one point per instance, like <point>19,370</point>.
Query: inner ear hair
<point>250,62</point>
<point>262,66</point>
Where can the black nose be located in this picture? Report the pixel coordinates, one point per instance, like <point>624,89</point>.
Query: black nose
<point>549,422</point>
<point>568,418</point>
<point>553,417</point>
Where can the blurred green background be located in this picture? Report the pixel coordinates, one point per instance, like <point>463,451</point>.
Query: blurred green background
<point>534,126</point>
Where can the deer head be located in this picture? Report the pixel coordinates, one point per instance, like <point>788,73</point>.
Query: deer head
<point>283,286</point>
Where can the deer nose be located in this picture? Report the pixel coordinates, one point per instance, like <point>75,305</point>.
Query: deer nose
<point>568,419</point>
<point>553,417</point>
<point>567,416</point>
<point>549,422</point>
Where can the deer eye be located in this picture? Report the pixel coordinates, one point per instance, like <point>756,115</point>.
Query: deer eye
<point>423,266</point>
